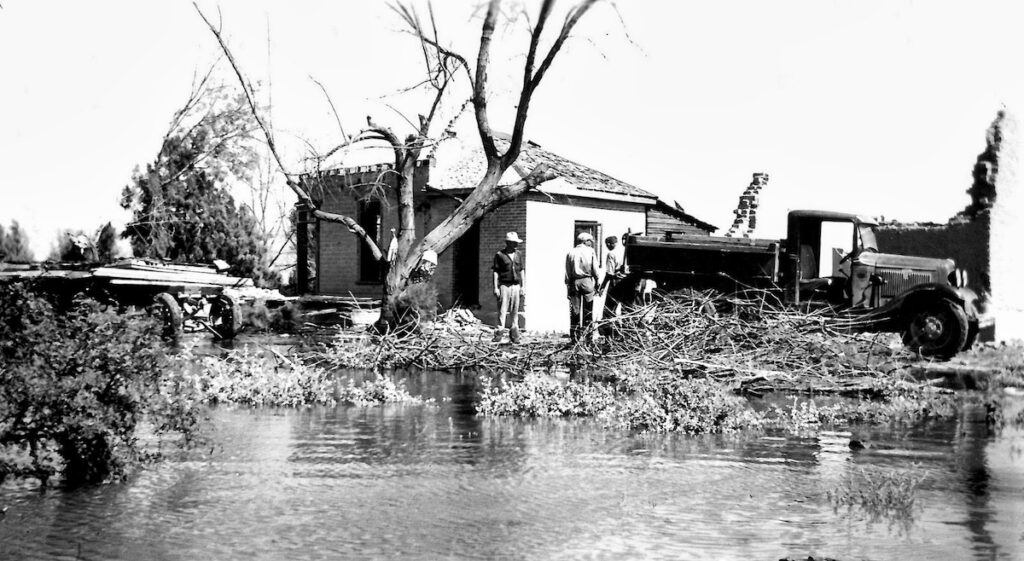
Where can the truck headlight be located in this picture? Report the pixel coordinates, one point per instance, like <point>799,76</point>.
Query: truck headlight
<point>957,278</point>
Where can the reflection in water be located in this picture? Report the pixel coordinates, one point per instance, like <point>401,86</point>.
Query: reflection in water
<point>972,434</point>
<point>435,480</point>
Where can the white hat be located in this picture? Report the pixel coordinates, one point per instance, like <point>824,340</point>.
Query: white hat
<point>429,256</point>
<point>584,237</point>
<point>513,237</point>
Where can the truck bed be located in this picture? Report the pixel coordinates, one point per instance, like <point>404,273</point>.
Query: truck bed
<point>746,260</point>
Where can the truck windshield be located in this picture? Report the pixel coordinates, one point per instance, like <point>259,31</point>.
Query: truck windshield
<point>866,235</point>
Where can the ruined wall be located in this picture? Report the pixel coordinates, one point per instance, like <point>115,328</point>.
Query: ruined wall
<point>967,243</point>
<point>983,238</point>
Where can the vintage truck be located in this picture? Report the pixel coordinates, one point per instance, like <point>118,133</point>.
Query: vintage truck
<point>830,263</point>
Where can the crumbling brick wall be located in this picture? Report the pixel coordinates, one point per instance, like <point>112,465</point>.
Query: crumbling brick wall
<point>967,237</point>
<point>967,243</point>
<point>746,210</point>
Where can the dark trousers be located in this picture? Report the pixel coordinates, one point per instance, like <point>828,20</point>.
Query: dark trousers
<point>611,304</point>
<point>581,307</point>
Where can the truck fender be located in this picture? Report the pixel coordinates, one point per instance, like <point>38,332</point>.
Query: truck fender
<point>907,302</point>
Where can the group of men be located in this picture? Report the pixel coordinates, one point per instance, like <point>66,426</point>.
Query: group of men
<point>582,276</point>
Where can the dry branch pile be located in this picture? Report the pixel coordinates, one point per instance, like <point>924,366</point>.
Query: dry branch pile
<point>758,347</point>
<point>755,348</point>
<point>452,342</point>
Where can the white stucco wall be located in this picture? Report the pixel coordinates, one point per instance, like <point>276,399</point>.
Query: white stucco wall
<point>1006,266</point>
<point>549,236</point>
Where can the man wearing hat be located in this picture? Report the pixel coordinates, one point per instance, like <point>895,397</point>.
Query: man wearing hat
<point>508,285</point>
<point>581,284</point>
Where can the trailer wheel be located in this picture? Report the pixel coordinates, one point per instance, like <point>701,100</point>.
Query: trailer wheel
<point>169,312</point>
<point>938,329</point>
<point>226,316</point>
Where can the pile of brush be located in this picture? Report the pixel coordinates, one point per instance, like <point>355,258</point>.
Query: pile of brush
<point>758,345</point>
<point>755,346</point>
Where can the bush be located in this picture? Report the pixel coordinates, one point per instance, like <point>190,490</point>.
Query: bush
<point>375,392</point>
<point>254,378</point>
<point>249,377</point>
<point>540,395</point>
<point>670,403</point>
<point>74,385</point>
<point>636,400</point>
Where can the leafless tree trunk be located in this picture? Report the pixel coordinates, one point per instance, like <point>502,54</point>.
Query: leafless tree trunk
<point>442,67</point>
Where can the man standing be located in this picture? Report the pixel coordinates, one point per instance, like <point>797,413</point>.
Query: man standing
<point>614,271</point>
<point>581,284</point>
<point>508,285</point>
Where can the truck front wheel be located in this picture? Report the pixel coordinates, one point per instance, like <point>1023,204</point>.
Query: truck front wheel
<point>937,329</point>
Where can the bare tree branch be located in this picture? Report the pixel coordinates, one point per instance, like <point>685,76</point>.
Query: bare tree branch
<point>299,191</point>
<point>337,119</point>
<point>483,59</point>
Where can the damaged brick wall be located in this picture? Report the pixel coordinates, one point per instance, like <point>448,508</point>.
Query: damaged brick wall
<point>965,242</point>
<point>746,210</point>
<point>966,237</point>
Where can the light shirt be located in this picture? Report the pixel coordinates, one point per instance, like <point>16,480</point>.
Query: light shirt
<point>580,263</point>
<point>612,264</point>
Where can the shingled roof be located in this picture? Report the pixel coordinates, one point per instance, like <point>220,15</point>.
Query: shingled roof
<point>466,171</point>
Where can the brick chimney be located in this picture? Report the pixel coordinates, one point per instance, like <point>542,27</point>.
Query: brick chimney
<point>746,210</point>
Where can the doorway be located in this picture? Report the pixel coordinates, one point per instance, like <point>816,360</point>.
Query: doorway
<point>466,269</point>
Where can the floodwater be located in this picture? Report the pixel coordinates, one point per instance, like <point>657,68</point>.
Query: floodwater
<point>438,482</point>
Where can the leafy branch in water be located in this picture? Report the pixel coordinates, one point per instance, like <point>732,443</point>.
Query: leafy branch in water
<point>76,382</point>
<point>255,377</point>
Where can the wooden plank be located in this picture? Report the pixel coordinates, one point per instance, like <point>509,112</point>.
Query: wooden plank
<point>147,266</point>
<point>172,277</point>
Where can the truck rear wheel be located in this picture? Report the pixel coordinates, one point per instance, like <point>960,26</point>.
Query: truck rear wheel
<point>938,329</point>
<point>168,310</point>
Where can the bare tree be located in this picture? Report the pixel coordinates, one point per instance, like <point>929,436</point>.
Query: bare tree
<point>443,67</point>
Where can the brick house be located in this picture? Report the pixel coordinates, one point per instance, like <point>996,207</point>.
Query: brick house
<point>548,219</point>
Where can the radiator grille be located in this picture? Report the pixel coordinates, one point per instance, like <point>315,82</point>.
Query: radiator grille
<point>900,280</point>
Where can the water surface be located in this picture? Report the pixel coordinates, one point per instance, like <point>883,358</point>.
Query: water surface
<point>437,481</point>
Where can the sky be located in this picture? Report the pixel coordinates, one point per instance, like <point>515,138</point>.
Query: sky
<point>874,107</point>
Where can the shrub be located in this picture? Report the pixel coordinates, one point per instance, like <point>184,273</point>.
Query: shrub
<point>540,395</point>
<point>249,377</point>
<point>74,385</point>
<point>670,403</point>
<point>255,378</point>
<point>637,400</point>
<point>375,392</point>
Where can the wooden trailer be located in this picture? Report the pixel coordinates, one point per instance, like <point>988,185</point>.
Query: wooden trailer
<point>185,297</point>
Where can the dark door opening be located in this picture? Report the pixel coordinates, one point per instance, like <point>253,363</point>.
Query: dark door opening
<point>466,268</point>
<point>369,217</point>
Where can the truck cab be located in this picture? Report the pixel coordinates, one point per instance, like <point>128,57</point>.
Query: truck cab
<point>832,259</point>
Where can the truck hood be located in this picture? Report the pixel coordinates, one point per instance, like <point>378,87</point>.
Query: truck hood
<point>892,260</point>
